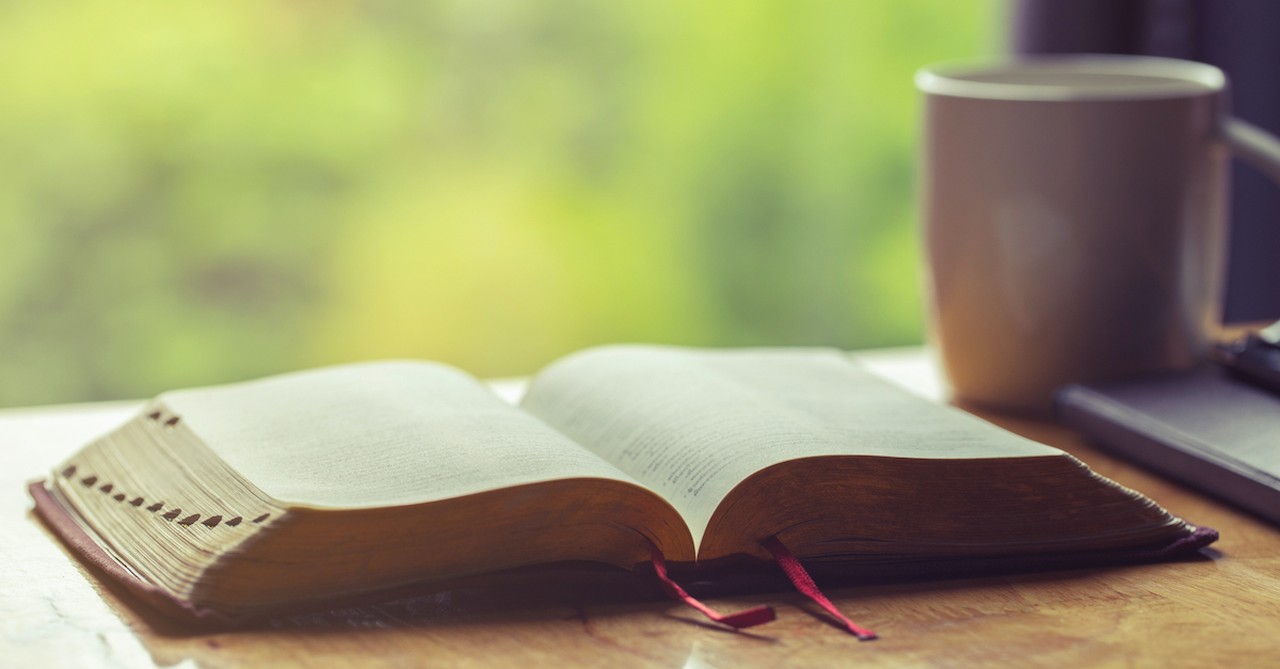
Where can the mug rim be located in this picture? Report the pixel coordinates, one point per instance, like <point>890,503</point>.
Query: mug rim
<point>965,79</point>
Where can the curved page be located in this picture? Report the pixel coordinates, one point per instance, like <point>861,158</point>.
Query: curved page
<point>693,424</point>
<point>378,434</point>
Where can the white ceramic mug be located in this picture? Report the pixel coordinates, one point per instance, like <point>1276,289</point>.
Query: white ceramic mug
<point>1074,216</point>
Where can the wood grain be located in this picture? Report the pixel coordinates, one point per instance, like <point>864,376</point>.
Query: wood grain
<point>1220,610</point>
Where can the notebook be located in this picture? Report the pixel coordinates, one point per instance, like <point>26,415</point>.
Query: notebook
<point>1202,428</point>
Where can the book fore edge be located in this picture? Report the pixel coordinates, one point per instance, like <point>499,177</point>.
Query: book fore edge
<point>173,513</point>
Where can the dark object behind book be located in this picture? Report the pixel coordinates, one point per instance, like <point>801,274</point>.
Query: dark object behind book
<point>1254,359</point>
<point>1203,428</point>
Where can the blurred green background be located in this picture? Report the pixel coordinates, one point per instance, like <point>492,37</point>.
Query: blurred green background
<point>200,192</point>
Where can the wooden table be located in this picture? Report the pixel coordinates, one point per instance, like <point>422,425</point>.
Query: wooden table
<point>1223,610</point>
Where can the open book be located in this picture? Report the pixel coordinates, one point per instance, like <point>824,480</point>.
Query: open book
<point>242,500</point>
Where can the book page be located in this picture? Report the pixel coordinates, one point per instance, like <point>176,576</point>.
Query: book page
<point>378,434</point>
<point>693,424</point>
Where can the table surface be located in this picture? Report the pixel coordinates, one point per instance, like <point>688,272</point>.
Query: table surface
<point>1220,610</point>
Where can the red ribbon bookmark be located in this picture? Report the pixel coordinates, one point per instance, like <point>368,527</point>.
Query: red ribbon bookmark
<point>757,615</point>
<point>804,583</point>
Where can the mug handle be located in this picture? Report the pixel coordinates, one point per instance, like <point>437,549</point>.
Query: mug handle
<point>1256,146</point>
